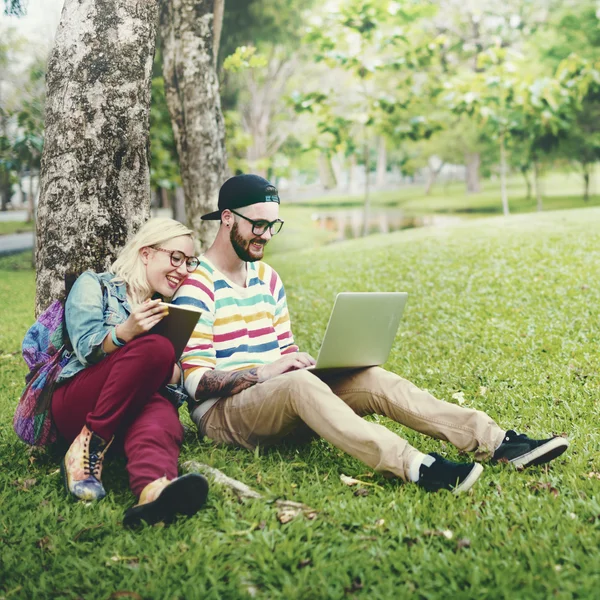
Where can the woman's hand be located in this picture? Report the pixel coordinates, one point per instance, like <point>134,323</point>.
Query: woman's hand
<point>141,320</point>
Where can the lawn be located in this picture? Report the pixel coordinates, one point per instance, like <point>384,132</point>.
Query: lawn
<point>8,227</point>
<point>560,191</point>
<point>502,315</point>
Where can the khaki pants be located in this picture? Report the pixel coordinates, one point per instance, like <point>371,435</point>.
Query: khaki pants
<point>333,408</point>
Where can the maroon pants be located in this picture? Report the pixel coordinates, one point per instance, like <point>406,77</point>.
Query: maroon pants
<point>118,396</point>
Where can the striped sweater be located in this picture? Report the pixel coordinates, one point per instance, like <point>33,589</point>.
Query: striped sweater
<point>240,327</point>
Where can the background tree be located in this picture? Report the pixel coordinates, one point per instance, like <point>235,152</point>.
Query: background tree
<point>192,93</point>
<point>165,178</point>
<point>261,59</point>
<point>95,180</point>
<point>378,55</point>
<point>574,29</point>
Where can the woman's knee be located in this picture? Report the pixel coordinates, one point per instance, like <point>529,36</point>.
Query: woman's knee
<point>156,349</point>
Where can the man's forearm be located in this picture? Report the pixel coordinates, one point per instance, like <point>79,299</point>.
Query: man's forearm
<point>220,384</point>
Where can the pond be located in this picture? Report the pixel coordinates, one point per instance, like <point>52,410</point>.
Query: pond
<point>348,224</point>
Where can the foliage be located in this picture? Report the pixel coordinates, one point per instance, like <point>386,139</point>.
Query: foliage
<point>377,56</point>
<point>486,317</point>
<point>15,8</point>
<point>21,113</point>
<point>164,166</point>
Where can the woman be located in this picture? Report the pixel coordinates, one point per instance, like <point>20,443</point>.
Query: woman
<point>111,387</point>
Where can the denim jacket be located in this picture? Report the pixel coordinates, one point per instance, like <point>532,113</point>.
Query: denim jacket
<point>96,304</point>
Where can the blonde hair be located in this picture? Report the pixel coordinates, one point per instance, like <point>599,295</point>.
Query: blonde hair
<point>129,267</point>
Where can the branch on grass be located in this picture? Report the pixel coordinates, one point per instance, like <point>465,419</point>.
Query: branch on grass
<point>287,508</point>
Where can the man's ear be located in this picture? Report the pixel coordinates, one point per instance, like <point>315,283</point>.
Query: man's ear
<point>227,218</point>
<point>145,253</point>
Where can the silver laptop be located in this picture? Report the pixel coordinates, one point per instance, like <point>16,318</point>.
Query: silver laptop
<point>361,330</point>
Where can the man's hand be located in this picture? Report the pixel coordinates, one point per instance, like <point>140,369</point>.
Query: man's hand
<point>176,376</point>
<point>142,320</point>
<point>289,362</point>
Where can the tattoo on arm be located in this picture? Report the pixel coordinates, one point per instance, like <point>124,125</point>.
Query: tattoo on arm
<point>220,384</point>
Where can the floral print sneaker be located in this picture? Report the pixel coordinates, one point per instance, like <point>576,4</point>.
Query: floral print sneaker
<point>82,466</point>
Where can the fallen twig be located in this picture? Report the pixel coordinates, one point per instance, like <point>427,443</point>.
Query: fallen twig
<point>288,509</point>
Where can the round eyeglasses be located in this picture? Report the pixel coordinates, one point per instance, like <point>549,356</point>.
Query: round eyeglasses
<point>178,258</point>
<point>260,226</point>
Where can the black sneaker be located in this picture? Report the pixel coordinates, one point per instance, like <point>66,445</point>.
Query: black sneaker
<point>447,475</point>
<point>522,451</point>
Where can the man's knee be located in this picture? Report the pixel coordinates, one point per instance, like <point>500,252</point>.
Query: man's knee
<point>371,377</point>
<point>301,381</point>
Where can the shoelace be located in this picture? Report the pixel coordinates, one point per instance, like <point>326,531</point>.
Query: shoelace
<point>93,463</point>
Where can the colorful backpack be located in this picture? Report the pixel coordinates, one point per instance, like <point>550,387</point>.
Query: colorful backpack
<point>46,350</point>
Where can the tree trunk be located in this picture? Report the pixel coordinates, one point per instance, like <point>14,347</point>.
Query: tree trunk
<point>179,206</point>
<point>472,162</point>
<point>326,173</point>
<point>433,173</point>
<point>337,164</point>
<point>351,186</point>
<point>192,92</point>
<point>586,182</point>
<point>503,191</point>
<point>538,190</point>
<point>367,203</point>
<point>218,10</point>
<point>5,191</point>
<point>266,89</point>
<point>381,162</point>
<point>30,198</point>
<point>5,184</point>
<point>95,177</point>
<point>527,182</point>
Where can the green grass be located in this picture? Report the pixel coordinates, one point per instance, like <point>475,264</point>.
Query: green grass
<point>503,310</point>
<point>7,227</point>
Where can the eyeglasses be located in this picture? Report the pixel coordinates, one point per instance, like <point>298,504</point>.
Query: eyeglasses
<point>178,258</point>
<point>260,226</point>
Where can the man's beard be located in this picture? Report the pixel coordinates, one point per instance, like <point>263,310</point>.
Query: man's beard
<point>240,245</point>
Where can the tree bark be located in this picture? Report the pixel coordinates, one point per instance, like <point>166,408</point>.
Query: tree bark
<point>95,177</point>
<point>192,92</point>
<point>472,163</point>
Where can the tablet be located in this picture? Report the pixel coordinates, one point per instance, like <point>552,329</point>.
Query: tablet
<point>178,326</point>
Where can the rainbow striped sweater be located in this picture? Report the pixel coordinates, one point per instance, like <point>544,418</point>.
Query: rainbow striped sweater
<point>240,327</point>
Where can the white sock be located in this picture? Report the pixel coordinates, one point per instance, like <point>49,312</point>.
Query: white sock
<point>415,465</point>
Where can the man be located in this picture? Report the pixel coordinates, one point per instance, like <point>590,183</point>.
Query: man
<point>249,379</point>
